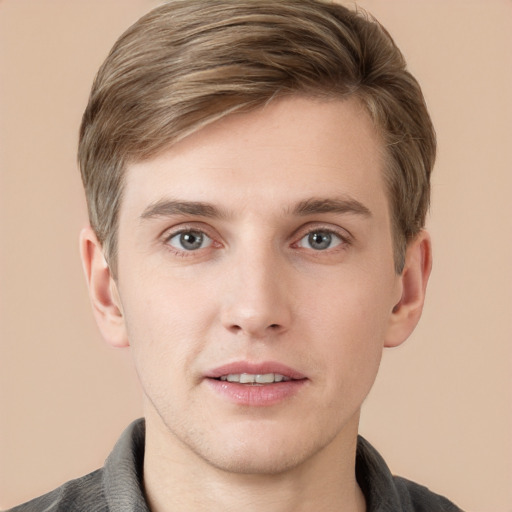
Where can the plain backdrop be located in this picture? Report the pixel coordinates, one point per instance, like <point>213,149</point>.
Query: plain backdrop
<point>440,411</point>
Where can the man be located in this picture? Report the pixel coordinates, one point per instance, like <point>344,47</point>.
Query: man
<point>257,177</point>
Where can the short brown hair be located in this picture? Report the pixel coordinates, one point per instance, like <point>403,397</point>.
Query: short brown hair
<point>188,63</point>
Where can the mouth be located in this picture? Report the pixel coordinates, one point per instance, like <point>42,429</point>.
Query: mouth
<point>255,379</point>
<point>244,372</point>
<point>255,384</point>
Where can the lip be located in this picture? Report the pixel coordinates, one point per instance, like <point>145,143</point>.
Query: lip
<point>254,368</point>
<point>255,395</point>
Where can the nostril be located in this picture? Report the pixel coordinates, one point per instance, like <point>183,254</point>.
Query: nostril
<point>237,328</point>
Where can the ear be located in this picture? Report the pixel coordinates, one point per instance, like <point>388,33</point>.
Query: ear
<point>103,292</point>
<point>413,282</point>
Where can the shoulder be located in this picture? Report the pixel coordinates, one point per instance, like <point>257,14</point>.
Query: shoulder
<point>419,498</point>
<point>115,487</point>
<point>387,493</point>
<point>84,494</point>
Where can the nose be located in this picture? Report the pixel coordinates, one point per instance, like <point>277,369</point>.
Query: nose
<point>257,300</point>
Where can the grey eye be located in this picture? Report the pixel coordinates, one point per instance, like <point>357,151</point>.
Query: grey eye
<point>320,240</point>
<point>190,240</point>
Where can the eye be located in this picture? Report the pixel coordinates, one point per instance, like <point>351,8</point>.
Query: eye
<point>190,240</point>
<point>320,240</point>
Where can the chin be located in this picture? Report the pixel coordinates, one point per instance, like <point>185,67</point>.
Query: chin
<point>260,451</point>
<point>254,444</point>
<point>256,460</point>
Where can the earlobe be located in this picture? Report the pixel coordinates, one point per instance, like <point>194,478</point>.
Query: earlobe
<point>407,312</point>
<point>103,292</point>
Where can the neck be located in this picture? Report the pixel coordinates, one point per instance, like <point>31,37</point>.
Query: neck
<point>176,479</point>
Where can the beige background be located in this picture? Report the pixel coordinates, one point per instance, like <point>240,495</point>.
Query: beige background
<point>441,409</point>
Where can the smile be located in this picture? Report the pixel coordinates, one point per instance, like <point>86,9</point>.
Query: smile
<point>250,384</point>
<point>251,378</point>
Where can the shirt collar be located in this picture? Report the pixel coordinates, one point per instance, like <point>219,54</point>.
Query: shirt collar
<point>122,476</point>
<point>375,479</point>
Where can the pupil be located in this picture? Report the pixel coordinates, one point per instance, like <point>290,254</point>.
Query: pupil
<point>192,240</point>
<point>320,241</point>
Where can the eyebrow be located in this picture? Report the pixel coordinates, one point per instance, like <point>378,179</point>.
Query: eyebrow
<point>170,207</point>
<point>336,205</point>
<point>311,206</point>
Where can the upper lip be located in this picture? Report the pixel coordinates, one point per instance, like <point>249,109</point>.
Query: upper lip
<point>239,367</point>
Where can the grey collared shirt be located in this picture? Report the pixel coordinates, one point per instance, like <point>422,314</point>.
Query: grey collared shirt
<point>117,487</point>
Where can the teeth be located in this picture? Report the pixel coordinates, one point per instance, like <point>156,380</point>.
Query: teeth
<point>246,378</point>
<point>249,378</point>
<point>266,378</point>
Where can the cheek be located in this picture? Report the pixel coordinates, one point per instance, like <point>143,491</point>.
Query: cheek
<point>352,306</point>
<point>166,304</point>
<point>165,322</point>
<point>349,324</point>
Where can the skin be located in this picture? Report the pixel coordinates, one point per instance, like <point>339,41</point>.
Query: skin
<point>258,288</point>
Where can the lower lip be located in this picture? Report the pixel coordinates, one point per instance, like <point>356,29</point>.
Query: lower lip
<point>256,395</point>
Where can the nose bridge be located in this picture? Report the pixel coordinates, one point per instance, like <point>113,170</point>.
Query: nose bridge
<point>257,300</point>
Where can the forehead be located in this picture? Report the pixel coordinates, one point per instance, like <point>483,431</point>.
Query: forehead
<point>280,154</point>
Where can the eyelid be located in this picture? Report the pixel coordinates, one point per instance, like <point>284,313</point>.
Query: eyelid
<point>334,238</point>
<point>206,239</point>
<point>186,227</point>
<point>344,235</point>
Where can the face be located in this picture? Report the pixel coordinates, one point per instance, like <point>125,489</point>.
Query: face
<point>256,282</point>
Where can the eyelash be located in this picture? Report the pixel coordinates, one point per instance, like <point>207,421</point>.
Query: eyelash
<point>345,239</point>
<point>183,253</point>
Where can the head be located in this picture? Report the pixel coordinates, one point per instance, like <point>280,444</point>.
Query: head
<point>257,178</point>
<point>189,63</point>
